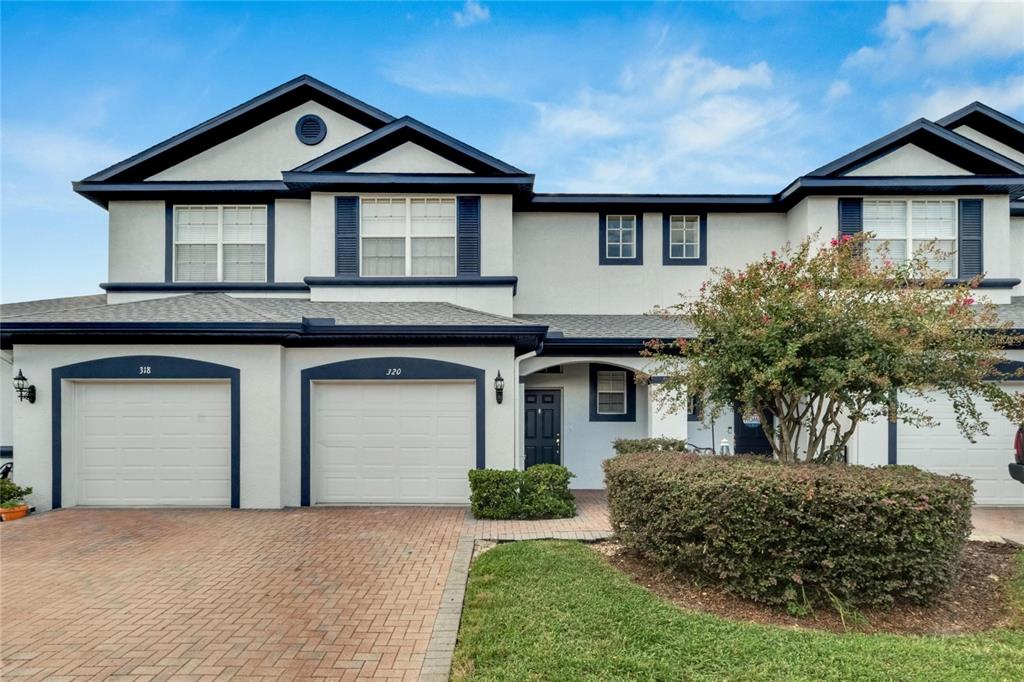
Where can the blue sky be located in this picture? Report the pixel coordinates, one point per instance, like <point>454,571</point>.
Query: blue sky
<point>627,97</point>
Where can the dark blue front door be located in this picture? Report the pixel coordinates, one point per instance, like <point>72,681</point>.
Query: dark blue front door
<point>750,438</point>
<point>543,426</point>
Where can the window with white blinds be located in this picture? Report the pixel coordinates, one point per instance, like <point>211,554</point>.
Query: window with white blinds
<point>411,236</point>
<point>905,226</point>
<point>220,243</point>
<point>611,392</point>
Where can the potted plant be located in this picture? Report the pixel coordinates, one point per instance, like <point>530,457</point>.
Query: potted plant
<point>12,500</point>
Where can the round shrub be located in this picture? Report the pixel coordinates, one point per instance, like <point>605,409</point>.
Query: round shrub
<point>540,492</point>
<point>781,534</point>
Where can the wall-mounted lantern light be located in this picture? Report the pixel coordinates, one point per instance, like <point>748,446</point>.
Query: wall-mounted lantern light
<point>499,388</point>
<point>22,388</point>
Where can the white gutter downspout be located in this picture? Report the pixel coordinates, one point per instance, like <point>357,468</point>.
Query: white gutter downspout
<point>520,459</point>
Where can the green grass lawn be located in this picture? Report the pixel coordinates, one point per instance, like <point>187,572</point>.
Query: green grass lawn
<point>557,611</point>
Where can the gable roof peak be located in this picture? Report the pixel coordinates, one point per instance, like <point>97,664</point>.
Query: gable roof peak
<point>408,129</point>
<point>238,119</point>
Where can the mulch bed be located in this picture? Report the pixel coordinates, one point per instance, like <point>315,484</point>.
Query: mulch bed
<point>975,603</point>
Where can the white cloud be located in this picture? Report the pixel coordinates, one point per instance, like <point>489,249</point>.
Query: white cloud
<point>471,13</point>
<point>943,33</point>
<point>1005,95</point>
<point>837,91</point>
<point>682,123</point>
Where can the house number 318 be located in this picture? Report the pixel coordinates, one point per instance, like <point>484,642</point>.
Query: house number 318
<point>145,369</point>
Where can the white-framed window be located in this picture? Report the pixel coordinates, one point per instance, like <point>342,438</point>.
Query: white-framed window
<point>407,236</point>
<point>904,226</point>
<point>611,392</point>
<point>620,236</point>
<point>220,243</point>
<point>684,237</point>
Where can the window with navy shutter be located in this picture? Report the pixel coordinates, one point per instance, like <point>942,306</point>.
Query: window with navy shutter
<point>468,232</point>
<point>851,217</point>
<point>971,238</point>
<point>346,236</point>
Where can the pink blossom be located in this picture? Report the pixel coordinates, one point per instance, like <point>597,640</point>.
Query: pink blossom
<point>967,301</point>
<point>774,254</point>
<point>846,238</point>
<point>835,242</point>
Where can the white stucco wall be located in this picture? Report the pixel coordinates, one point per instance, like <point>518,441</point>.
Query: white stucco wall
<point>908,160</point>
<point>409,157</point>
<point>136,241</point>
<point>816,217</point>
<point>557,261</point>
<point>586,444</point>
<point>291,239</point>
<point>496,235</point>
<point>263,152</point>
<point>500,420</point>
<point>993,144</point>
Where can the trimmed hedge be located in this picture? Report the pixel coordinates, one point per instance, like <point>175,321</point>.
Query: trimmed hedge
<point>540,492</point>
<point>783,534</point>
<point>625,446</point>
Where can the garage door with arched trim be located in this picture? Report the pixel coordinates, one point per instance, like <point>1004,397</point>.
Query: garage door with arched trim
<point>393,442</point>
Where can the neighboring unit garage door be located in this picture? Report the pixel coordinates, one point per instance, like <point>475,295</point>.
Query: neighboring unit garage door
<point>145,443</point>
<point>943,450</point>
<point>393,442</point>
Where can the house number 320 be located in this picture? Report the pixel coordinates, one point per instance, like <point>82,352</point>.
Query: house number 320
<point>145,369</point>
<point>392,371</point>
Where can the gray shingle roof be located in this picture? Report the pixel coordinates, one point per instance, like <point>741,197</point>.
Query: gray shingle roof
<point>1012,312</point>
<point>222,308</point>
<point>28,308</point>
<point>611,326</point>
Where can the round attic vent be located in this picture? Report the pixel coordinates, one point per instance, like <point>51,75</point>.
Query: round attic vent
<point>311,129</point>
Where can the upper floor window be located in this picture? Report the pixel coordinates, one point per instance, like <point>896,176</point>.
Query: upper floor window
<point>220,243</point>
<point>410,236</point>
<point>620,236</point>
<point>684,237</point>
<point>904,226</point>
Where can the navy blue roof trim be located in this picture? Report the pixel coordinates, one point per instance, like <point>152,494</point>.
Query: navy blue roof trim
<point>455,182</point>
<point>524,337</point>
<point>1017,209</point>
<point>805,186</point>
<point>988,121</point>
<point>101,193</point>
<point>238,119</point>
<point>482,281</point>
<point>399,131</point>
<point>956,148</point>
<point>6,452</point>
<point>185,287</point>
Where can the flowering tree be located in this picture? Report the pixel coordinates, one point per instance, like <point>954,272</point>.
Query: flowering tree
<point>826,338</point>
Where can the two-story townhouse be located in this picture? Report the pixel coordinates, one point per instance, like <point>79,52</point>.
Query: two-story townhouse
<point>310,301</point>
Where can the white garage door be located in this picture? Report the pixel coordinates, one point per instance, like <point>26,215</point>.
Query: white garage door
<point>144,443</point>
<point>943,450</point>
<point>390,442</point>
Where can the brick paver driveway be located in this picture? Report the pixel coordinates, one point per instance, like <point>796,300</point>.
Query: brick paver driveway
<point>334,593</point>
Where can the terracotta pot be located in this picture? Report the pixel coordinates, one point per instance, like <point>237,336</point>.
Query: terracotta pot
<point>11,513</point>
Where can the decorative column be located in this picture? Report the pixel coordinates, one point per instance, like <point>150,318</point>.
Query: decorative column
<point>660,422</point>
